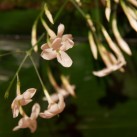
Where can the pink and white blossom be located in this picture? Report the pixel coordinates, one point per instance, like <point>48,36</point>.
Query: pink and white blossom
<point>57,46</point>
<point>22,100</point>
<point>54,108</point>
<point>29,122</point>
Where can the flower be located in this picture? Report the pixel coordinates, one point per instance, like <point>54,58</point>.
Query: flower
<point>57,46</point>
<point>112,63</point>
<point>21,100</point>
<point>29,122</point>
<point>54,108</point>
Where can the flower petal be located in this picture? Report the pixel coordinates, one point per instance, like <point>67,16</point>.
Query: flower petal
<point>61,29</point>
<point>64,59</point>
<point>48,55</point>
<point>67,44</point>
<point>56,44</point>
<point>35,111</point>
<point>29,93</point>
<point>45,46</point>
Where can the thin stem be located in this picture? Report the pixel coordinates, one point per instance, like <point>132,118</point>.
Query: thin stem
<point>19,68</point>
<point>5,54</point>
<point>78,8</point>
<point>42,84</point>
<point>60,10</point>
<point>22,112</point>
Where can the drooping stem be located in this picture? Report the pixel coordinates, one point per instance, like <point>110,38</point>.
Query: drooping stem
<point>60,10</point>
<point>18,70</point>
<point>42,84</point>
<point>78,8</point>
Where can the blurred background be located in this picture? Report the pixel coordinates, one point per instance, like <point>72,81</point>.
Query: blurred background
<point>102,107</point>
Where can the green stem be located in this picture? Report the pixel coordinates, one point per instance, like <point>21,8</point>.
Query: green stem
<point>9,53</point>
<point>42,84</point>
<point>60,10</point>
<point>78,8</point>
<point>11,83</point>
<point>20,66</point>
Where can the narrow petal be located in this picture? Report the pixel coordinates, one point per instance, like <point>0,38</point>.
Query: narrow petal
<point>93,45</point>
<point>29,93</point>
<point>64,59</point>
<point>35,111</point>
<point>46,114</point>
<point>48,55</point>
<point>61,103</point>
<point>123,45</point>
<point>45,46</point>
<point>56,44</point>
<point>61,29</point>
<point>103,72</point>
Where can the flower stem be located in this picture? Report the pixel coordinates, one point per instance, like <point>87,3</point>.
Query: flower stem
<point>78,8</point>
<point>42,84</point>
<point>60,10</point>
<point>19,68</point>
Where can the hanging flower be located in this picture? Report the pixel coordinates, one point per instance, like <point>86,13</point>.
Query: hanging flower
<point>21,100</point>
<point>29,122</point>
<point>57,46</point>
<point>54,108</point>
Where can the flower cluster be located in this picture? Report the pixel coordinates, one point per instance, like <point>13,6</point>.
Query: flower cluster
<point>112,55</point>
<point>56,103</point>
<point>30,122</point>
<point>54,48</point>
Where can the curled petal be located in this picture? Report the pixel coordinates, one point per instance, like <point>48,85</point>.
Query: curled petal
<point>15,109</point>
<point>26,122</point>
<point>54,108</point>
<point>64,59</point>
<point>35,111</point>
<point>48,54</point>
<point>61,29</point>
<point>29,93</point>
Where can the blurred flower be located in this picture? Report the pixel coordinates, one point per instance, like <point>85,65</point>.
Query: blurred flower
<point>29,122</point>
<point>21,100</point>
<point>54,108</point>
<point>93,45</point>
<point>121,42</point>
<point>131,18</point>
<point>57,46</point>
<point>108,9</point>
<point>48,13</point>
<point>67,86</point>
<point>112,64</point>
<point>34,36</point>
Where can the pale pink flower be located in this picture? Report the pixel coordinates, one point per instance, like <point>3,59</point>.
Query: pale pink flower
<point>21,100</point>
<point>54,108</point>
<point>29,122</point>
<point>108,70</point>
<point>57,46</point>
<point>55,96</point>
